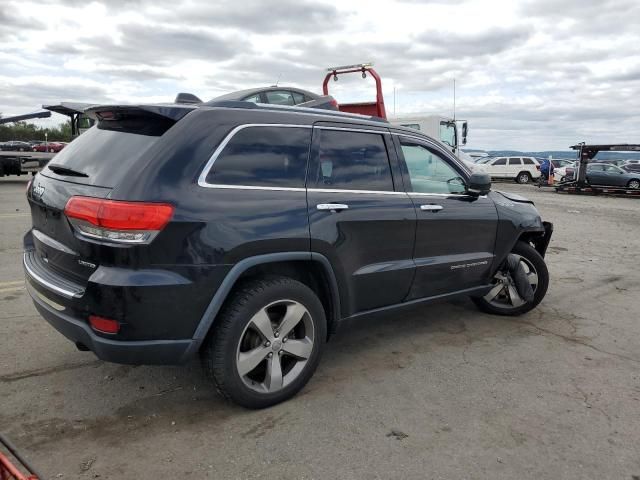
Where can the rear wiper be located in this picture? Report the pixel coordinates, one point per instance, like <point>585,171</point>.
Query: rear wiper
<point>62,170</point>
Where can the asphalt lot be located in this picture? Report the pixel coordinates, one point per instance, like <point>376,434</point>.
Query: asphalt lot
<point>444,392</point>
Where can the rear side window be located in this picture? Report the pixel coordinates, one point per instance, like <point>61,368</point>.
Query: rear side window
<point>515,161</point>
<point>527,161</point>
<point>351,161</point>
<point>298,97</point>
<point>263,157</point>
<point>279,97</point>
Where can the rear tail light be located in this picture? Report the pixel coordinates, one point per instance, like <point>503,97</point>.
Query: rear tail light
<point>117,221</point>
<point>334,103</point>
<point>537,167</point>
<point>104,325</point>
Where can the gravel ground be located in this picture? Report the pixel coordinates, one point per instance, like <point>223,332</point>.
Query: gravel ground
<point>443,392</point>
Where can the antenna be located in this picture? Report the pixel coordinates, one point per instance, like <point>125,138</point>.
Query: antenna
<point>277,80</point>
<point>454,99</point>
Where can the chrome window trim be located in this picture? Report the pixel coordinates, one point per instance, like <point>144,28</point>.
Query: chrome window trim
<point>338,190</point>
<point>350,129</point>
<point>202,179</point>
<point>253,187</point>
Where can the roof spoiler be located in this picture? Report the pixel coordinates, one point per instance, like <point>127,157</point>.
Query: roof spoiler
<point>113,112</point>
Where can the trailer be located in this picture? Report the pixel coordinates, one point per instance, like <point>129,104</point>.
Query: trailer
<point>586,153</point>
<point>23,163</point>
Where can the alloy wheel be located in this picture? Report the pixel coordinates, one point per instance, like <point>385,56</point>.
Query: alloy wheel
<point>275,346</point>
<point>634,184</point>
<point>504,293</point>
<point>523,178</point>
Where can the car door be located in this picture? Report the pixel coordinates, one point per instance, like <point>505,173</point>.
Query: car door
<point>595,175</point>
<point>456,232</point>
<point>514,166</point>
<point>359,216</point>
<point>498,168</point>
<point>614,176</point>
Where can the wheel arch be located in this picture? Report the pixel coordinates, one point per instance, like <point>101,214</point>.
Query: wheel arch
<point>312,269</point>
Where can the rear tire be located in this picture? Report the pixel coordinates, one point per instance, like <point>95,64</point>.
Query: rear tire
<point>523,178</point>
<point>535,263</point>
<point>266,343</point>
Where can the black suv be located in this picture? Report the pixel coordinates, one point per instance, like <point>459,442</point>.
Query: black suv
<point>247,233</point>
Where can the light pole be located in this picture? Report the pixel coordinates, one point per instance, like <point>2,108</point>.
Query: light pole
<point>46,141</point>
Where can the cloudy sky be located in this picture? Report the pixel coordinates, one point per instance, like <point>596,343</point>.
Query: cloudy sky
<point>530,74</point>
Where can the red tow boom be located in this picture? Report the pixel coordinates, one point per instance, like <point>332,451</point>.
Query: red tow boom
<point>367,108</point>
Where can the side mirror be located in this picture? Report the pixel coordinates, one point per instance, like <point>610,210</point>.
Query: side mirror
<point>479,184</point>
<point>465,130</point>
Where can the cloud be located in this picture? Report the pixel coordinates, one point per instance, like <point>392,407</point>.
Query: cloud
<point>143,44</point>
<point>256,16</point>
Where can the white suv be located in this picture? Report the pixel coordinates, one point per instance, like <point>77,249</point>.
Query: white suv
<point>520,169</point>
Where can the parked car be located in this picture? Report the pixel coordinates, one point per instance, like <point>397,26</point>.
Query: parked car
<point>15,146</point>
<point>520,169</point>
<point>560,168</point>
<point>282,96</point>
<point>49,147</point>
<point>607,175</point>
<point>249,233</point>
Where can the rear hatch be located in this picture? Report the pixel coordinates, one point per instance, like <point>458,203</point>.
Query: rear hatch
<point>90,166</point>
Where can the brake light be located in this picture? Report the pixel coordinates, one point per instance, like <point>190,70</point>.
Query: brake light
<point>104,325</point>
<point>118,221</point>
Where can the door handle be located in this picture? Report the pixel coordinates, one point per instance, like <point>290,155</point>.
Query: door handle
<point>431,208</point>
<point>334,207</point>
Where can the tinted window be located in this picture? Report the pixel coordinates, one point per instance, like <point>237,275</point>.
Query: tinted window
<point>500,161</point>
<point>265,157</point>
<point>105,156</point>
<point>430,173</point>
<point>515,161</point>
<point>527,161</point>
<point>352,161</point>
<point>280,97</point>
<point>298,97</point>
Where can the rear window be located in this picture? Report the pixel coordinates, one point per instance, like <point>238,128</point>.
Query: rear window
<point>263,157</point>
<point>104,156</point>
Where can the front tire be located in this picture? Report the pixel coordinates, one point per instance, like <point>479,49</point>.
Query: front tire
<point>523,177</point>
<point>266,342</point>
<point>633,184</point>
<point>503,298</point>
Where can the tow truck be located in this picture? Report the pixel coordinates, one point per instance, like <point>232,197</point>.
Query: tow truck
<point>586,153</point>
<point>441,128</point>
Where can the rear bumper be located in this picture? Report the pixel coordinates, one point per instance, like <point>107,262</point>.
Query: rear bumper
<point>150,352</point>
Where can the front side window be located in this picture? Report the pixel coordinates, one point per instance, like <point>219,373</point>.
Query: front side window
<point>500,161</point>
<point>429,172</point>
<point>351,161</point>
<point>264,157</point>
<point>280,97</point>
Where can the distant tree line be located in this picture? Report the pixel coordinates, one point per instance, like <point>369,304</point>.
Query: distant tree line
<point>28,131</point>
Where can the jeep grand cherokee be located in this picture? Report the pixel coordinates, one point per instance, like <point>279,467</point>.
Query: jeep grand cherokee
<point>246,233</point>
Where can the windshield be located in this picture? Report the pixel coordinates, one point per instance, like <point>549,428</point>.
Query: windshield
<point>448,133</point>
